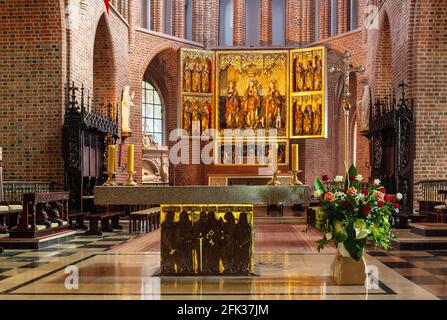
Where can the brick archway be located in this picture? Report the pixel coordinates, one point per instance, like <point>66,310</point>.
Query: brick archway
<point>104,69</point>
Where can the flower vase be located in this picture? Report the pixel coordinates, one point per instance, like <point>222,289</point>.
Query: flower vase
<point>345,270</point>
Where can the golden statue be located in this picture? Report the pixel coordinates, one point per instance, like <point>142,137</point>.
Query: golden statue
<point>205,117</point>
<point>298,119</point>
<point>187,117</point>
<point>316,119</point>
<point>307,119</point>
<point>196,78</point>
<point>205,77</point>
<point>309,82</point>
<point>186,77</point>
<point>299,76</point>
<point>273,106</point>
<point>231,105</point>
<point>196,119</point>
<point>318,76</point>
<point>251,105</point>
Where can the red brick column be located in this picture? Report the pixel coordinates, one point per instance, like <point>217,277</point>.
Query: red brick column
<point>266,23</point>
<point>178,18</point>
<point>308,18</point>
<point>210,23</point>
<point>294,25</point>
<point>239,22</point>
<point>157,15</point>
<point>197,21</point>
<point>325,19</point>
<point>343,16</point>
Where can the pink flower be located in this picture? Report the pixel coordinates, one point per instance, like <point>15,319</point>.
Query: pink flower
<point>329,196</point>
<point>380,196</point>
<point>352,191</point>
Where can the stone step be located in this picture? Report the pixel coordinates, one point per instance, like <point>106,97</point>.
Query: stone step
<point>408,240</point>
<point>429,229</point>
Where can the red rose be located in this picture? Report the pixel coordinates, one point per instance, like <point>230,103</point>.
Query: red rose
<point>397,206</point>
<point>387,198</point>
<point>320,202</point>
<point>325,178</point>
<point>352,178</point>
<point>393,199</point>
<point>346,204</point>
<point>345,190</point>
<point>382,189</point>
<point>380,204</point>
<point>365,192</point>
<point>366,210</point>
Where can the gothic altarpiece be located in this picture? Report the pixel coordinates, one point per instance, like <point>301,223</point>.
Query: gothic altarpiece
<point>253,91</point>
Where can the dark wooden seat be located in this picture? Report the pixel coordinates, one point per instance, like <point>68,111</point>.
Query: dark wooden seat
<point>109,222</point>
<point>278,208</point>
<point>144,220</point>
<point>79,217</point>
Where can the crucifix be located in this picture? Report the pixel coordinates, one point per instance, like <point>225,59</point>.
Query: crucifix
<point>346,69</point>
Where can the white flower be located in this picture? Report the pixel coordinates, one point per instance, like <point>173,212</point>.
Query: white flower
<point>338,179</point>
<point>359,177</point>
<point>317,194</point>
<point>340,195</point>
<point>399,196</point>
<point>377,182</point>
<point>359,197</point>
<point>328,236</point>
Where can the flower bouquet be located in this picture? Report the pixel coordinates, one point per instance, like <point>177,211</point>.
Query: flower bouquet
<point>350,216</point>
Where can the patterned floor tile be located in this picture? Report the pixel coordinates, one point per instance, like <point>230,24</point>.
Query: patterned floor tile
<point>97,246</point>
<point>64,254</point>
<point>3,277</point>
<point>394,265</point>
<point>425,280</point>
<point>4,270</point>
<point>437,271</point>
<point>32,265</point>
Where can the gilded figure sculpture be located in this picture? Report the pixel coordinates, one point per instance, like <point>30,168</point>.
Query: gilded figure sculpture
<point>186,77</point>
<point>316,119</point>
<point>273,105</point>
<point>318,76</point>
<point>196,78</point>
<point>252,105</point>
<point>205,77</point>
<point>231,105</point>
<point>299,76</point>
<point>309,80</point>
<point>307,118</point>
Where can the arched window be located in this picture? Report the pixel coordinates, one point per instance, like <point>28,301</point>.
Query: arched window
<point>226,22</point>
<point>252,22</point>
<point>188,19</point>
<point>168,16</point>
<point>353,10</point>
<point>152,113</point>
<point>278,22</point>
<point>146,14</point>
<point>334,17</point>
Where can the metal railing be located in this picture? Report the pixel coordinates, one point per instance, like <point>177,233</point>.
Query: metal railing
<point>430,190</point>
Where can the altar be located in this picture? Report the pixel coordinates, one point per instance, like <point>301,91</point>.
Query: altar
<point>205,229</point>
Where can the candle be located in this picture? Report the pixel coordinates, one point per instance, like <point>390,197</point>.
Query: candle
<point>274,156</point>
<point>295,157</point>
<point>130,158</point>
<point>111,159</point>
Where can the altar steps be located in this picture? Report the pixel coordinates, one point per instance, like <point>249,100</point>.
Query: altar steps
<point>421,237</point>
<point>280,220</point>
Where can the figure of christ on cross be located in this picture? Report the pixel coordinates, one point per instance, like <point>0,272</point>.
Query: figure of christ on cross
<point>346,69</point>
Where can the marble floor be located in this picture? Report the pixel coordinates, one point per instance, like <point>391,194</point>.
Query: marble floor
<point>110,274</point>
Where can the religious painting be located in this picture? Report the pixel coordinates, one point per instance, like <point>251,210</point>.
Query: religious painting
<point>249,153</point>
<point>207,239</point>
<point>252,92</point>
<point>196,90</point>
<point>197,114</point>
<point>308,93</point>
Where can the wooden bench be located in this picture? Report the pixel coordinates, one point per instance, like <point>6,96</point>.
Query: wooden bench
<point>79,217</point>
<point>144,220</point>
<point>109,222</point>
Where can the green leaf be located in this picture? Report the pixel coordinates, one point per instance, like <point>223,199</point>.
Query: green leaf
<point>319,185</point>
<point>340,234</point>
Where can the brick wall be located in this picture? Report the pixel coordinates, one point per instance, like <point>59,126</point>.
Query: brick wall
<point>32,69</point>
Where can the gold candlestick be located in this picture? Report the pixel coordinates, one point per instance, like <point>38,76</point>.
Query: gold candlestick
<point>295,181</point>
<point>274,181</point>
<point>111,182</point>
<point>131,180</point>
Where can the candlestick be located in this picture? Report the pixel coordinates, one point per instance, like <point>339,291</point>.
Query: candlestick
<point>274,156</point>
<point>275,181</point>
<point>111,159</point>
<point>295,165</point>
<point>130,158</point>
<point>295,181</point>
